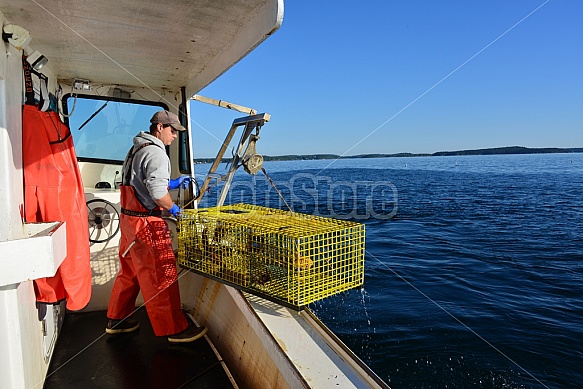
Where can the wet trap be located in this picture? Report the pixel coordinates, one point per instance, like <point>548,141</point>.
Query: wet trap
<point>286,257</point>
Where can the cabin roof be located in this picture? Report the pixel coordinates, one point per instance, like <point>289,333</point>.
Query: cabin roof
<point>144,43</point>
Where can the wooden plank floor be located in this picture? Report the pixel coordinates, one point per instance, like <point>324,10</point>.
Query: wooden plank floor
<point>85,357</point>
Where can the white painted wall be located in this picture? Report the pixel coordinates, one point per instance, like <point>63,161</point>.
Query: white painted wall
<point>11,188</point>
<point>22,364</point>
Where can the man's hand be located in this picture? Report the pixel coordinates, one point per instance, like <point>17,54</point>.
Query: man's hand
<point>175,211</point>
<point>180,181</point>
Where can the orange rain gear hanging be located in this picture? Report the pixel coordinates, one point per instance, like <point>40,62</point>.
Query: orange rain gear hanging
<point>147,263</point>
<point>53,191</point>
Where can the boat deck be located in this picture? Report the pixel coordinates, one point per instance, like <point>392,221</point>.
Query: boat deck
<point>85,357</point>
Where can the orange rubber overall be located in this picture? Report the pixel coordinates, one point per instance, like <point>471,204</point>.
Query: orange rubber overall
<point>53,191</point>
<point>150,266</point>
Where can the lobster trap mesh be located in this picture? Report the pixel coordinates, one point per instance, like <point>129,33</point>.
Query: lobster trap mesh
<point>290,258</point>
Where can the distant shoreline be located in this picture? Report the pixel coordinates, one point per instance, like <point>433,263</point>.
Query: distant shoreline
<point>491,151</point>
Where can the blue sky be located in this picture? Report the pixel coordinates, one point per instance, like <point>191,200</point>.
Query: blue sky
<point>348,78</point>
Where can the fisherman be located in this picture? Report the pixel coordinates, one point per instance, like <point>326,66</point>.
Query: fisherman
<point>145,251</point>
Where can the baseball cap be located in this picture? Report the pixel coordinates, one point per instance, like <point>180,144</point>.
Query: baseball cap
<point>167,118</point>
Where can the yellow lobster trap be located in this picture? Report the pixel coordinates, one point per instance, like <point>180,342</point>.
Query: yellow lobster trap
<point>286,257</point>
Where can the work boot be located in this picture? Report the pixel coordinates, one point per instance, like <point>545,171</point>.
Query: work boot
<point>115,326</point>
<point>190,334</point>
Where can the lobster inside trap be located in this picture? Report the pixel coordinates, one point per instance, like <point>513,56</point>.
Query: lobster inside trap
<point>286,257</point>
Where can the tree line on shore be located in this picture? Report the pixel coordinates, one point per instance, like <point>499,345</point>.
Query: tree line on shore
<point>490,151</point>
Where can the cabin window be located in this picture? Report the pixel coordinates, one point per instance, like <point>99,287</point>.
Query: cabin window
<point>103,130</point>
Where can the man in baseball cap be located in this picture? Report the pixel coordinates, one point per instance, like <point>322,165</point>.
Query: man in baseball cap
<point>167,118</point>
<point>146,255</point>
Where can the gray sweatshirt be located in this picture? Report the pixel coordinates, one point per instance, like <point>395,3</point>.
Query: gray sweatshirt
<point>150,170</point>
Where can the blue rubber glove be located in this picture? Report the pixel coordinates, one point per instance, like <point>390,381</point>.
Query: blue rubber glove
<point>180,181</point>
<point>175,210</point>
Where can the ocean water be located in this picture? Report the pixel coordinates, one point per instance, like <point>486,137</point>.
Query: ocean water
<point>473,266</point>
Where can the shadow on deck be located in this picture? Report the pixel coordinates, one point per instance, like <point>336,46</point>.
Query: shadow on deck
<point>85,357</point>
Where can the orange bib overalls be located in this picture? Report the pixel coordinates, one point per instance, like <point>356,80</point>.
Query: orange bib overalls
<point>147,264</point>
